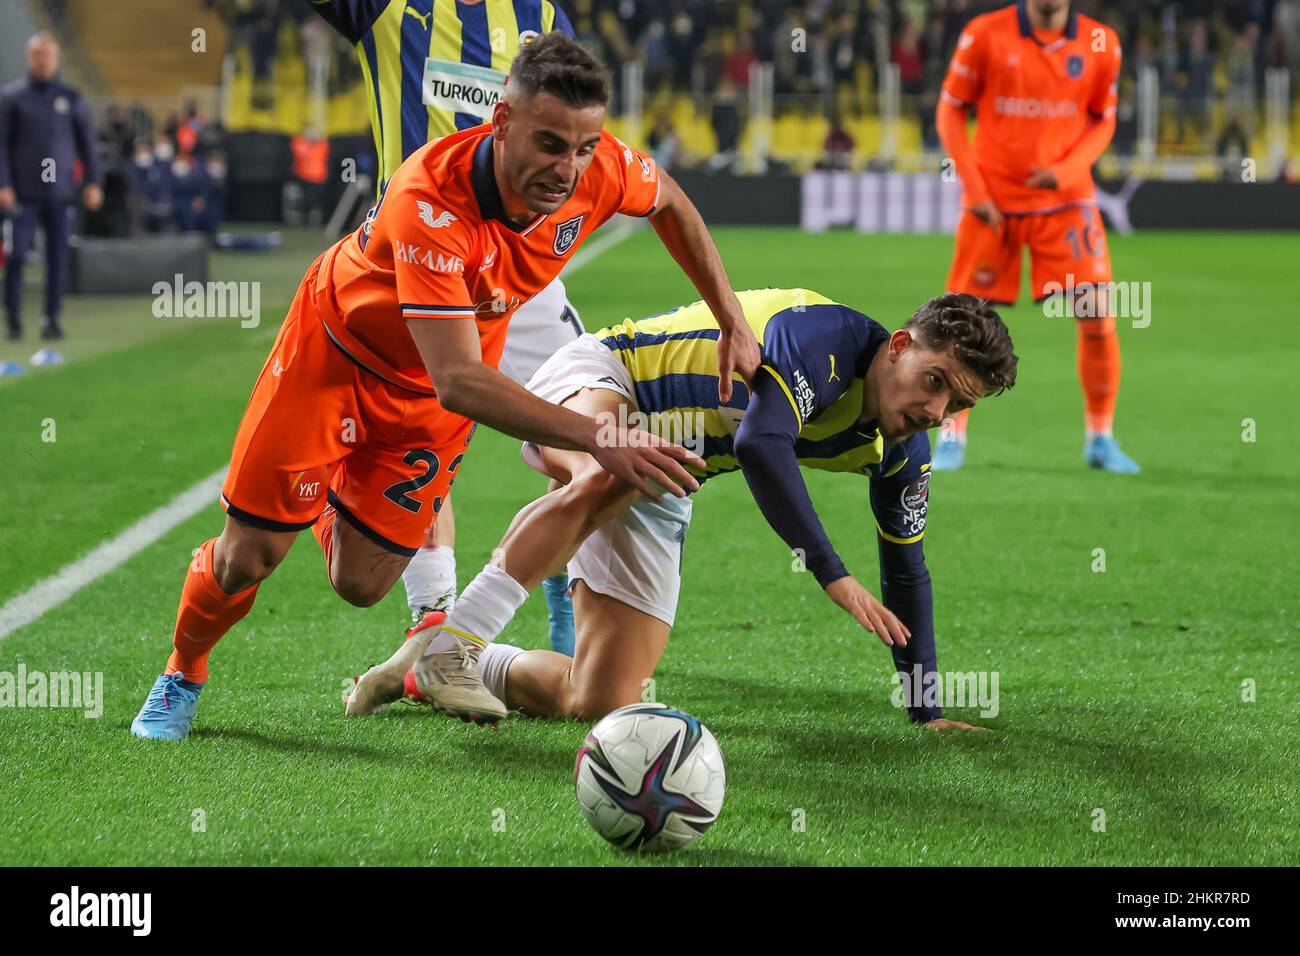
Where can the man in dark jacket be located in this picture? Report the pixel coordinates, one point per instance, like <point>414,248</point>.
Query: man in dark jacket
<point>45,128</point>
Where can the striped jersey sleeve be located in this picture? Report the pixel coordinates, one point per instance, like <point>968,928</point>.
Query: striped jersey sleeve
<point>812,351</point>
<point>430,248</point>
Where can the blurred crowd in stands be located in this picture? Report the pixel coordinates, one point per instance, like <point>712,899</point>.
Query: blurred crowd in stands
<point>160,178</point>
<point>697,60</point>
<point>828,53</point>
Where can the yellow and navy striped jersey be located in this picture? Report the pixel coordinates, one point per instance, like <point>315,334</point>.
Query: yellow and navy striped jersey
<point>432,67</point>
<point>817,349</point>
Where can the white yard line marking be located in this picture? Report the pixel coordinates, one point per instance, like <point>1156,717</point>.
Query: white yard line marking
<point>598,247</point>
<point>54,590</point>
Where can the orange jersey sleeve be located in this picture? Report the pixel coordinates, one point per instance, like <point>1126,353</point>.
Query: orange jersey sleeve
<point>431,245</point>
<point>631,183</point>
<point>965,78</point>
<point>961,89</point>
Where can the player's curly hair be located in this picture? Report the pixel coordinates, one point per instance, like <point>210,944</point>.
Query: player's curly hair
<point>562,67</point>
<point>973,330</point>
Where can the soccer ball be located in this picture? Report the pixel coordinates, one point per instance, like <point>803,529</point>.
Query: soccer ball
<point>650,778</point>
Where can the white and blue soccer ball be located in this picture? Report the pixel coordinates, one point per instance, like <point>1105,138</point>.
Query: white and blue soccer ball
<point>650,778</point>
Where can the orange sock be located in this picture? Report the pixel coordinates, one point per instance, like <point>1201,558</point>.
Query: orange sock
<point>957,424</point>
<point>205,614</point>
<point>1099,372</point>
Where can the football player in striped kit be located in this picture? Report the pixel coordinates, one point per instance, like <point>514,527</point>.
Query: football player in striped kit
<point>836,392</point>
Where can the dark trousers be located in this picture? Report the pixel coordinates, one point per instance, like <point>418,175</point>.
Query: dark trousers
<point>55,220</point>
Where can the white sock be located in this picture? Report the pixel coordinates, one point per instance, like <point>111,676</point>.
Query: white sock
<point>1090,434</point>
<point>429,577</point>
<point>485,607</point>
<point>493,664</point>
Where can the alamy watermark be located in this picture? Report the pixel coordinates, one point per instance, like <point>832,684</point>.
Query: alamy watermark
<point>133,911</point>
<point>208,300</point>
<point>1095,300</point>
<point>951,689</point>
<point>73,690</point>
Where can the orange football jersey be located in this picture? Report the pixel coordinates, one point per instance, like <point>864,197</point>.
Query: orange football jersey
<point>1034,96</point>
<point>438,245</point>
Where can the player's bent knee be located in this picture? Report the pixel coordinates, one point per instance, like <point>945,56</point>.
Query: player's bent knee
<point>591,701</point>
<point>359,591</point>
<point>239,565</point>
<point>595,495</point>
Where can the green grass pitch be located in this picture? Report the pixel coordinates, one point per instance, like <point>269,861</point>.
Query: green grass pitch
<point>1120,691</point>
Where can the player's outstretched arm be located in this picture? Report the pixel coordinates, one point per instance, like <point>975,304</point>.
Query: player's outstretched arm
<point>900,504</point>
<point>467,386</point>
<point>950,123</point>
<point>765,450</point>
<point>962,88</point>
<point>682,231</point>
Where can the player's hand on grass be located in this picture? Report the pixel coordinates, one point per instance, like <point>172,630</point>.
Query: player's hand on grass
<point>649,463</point>
<point>869,612</point>
<point>987,213</point>
<point>942,723</point>
<point>1041,179</point>
<point>737,352</point>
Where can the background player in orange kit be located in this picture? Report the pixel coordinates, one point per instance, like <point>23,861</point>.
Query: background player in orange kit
<point>1042,80</point>
<point>365,407</point>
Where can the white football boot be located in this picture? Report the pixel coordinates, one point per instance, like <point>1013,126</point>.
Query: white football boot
<point>450,681</point>
<point>388,682</point>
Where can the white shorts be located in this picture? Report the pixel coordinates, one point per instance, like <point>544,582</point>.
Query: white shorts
<point>541,327</point>
<point>636,557</point>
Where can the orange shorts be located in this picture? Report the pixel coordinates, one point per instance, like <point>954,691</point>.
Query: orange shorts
<point>320,428</point>
<point>1067,247</point>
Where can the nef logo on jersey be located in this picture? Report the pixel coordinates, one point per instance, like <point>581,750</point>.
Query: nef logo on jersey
<point>566,234</point>
<point>1074,66</point>
<point>915,501</point>
<point>804,396</point>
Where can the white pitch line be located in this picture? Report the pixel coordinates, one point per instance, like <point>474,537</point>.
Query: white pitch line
<point>600,246</point>
<point>54,590</point>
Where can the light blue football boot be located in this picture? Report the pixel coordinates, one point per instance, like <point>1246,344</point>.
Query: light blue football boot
<point>168,711</point>
<point>949,452</point>
<point>1103,451</point>
<point>559,608</point>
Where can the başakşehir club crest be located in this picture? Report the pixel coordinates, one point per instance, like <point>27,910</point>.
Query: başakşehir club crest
<point>566,234</point>
<point>1074,66</point>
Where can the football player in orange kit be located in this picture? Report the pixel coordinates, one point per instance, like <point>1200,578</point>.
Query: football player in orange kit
<point>363,413</point>
<point>1042,81</point>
